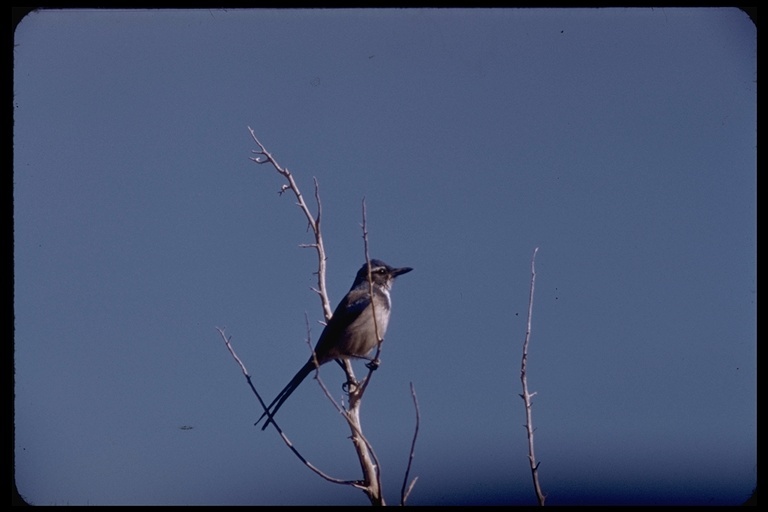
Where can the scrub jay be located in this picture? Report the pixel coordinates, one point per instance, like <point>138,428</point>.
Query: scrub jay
<point>350,333</point>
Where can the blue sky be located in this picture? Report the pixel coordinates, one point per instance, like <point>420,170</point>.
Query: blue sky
<point>621,142</point>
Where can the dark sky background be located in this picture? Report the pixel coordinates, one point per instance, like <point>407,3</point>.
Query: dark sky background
<point>621,142</point>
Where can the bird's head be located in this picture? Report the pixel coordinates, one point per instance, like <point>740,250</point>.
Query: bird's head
<point>381,273</point>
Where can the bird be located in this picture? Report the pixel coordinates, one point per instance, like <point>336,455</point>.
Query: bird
<point>351,332</point>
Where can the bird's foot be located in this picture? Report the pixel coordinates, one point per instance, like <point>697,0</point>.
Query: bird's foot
<point>349,386</point>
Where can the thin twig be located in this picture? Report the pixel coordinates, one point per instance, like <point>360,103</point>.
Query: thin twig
<point>371,468</point>
<point>314,222</point>
<point>227,342</point>
<point>374,364</point>
<point>405,492</point>
<point>526,396</point>
<point>242,366</point>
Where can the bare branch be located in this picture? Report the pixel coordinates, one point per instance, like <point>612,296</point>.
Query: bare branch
<point>370,279</point>
<point>369,462</point>
<point>320,382</point>
<point>404,493</point>
<point>232,351</point>
<point>371,484</point>
<point>321,258</point>
<point>374,364</point>
<point>242,367</point>
<point>313,222</point>
<point>526,396</point>
<point>352,420</point>
<point>279,430</point>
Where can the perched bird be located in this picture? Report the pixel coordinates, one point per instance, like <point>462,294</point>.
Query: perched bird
<point>351,332</point>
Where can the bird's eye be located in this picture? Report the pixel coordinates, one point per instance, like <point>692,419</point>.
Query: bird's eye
<point>381,270</point>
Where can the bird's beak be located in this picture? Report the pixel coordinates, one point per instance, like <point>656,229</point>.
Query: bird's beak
<point>402,270</point>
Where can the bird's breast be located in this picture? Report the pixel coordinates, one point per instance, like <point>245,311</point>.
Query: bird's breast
<point>360,337</point>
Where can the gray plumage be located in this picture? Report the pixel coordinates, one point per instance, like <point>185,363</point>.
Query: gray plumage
<point>350,333</point>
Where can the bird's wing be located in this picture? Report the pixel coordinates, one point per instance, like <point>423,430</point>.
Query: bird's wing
<point>348,310</point>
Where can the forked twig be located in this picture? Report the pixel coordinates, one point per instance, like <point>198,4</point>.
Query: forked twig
<point>227,342</point>
<point>313,221</point>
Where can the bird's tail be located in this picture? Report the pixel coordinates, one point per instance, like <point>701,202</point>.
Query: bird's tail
<point>286,392</point>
